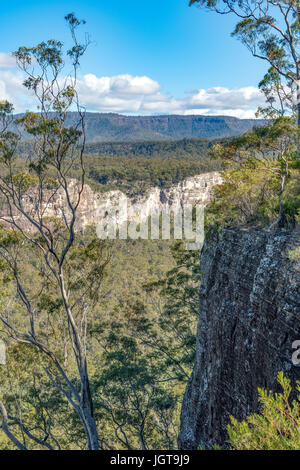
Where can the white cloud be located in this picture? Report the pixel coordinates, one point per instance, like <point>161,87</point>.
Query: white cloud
<point>129,94</point>
<point>7,61</point>
<point>12,90</point>
<point>220,97</point>
<point>142,95</point>
<point>238,113</point>
<point>120,85</point>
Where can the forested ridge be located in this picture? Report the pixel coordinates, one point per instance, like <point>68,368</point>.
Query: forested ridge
<point>117,127</point>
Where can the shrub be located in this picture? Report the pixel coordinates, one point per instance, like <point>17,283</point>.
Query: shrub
<point>277,427</point>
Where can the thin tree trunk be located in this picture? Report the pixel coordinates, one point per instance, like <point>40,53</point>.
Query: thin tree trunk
<point>298,88</point>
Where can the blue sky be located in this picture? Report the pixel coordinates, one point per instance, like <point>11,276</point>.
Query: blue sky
<point>179,48</point>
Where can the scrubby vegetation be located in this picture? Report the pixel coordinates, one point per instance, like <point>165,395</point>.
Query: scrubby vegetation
<point>262,184</point>
<point>276,427</point>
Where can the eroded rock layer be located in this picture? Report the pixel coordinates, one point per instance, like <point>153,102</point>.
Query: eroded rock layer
<point>194,190</point>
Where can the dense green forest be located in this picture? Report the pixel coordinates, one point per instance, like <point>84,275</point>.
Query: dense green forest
<point>172,150</point>
<point>135,167</point>
<point>134,175</point>
<point>141,347</point>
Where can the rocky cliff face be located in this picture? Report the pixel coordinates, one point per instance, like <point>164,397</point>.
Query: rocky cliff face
<point>193,190</point>
<point>248,320</point>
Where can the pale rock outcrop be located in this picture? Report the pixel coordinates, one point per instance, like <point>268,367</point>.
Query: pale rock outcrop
<point>93,206</point>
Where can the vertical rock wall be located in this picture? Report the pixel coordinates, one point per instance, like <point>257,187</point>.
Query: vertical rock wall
<point>194,190</point>
<point>249,318</point>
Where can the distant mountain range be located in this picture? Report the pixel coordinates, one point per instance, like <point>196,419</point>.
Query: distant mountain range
<point>116,127</point>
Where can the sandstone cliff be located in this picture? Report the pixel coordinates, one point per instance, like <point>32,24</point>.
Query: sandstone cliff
<point>193,190</point>
<point>249,318</point>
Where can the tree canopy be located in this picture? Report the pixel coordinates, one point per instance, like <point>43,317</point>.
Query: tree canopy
<point>271,31</point>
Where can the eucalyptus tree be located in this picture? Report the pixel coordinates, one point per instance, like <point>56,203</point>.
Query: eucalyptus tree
<point>56,302</point>
<point>270,29</point>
